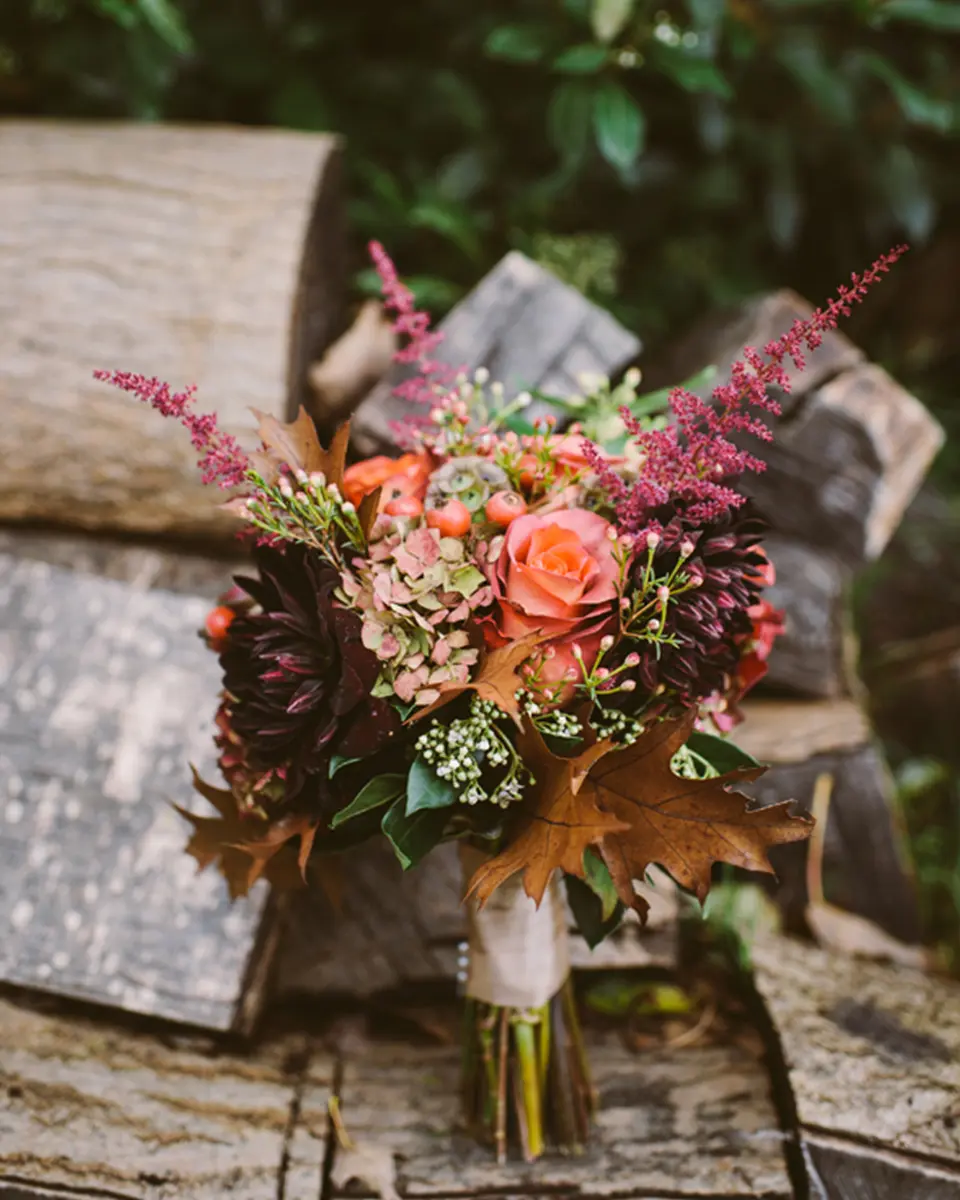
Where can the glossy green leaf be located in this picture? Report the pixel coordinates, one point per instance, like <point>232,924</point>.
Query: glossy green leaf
<point>934,14</point>
<point>338,762</point>
<point>378,792</point>
<point>414,836</point>
<point>618,124</point>
<point>917,106</point>
<point>587,909</point>
<point>722,754</point>
<point>568,120</point>
<point>692,72</point>
<point>586,59</point>
<point>516,43</point>
<point>167,22</point>
<point>425,789</point>
<point>599,882</point>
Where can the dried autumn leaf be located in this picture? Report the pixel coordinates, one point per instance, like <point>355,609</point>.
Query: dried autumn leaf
<point>685,825</point>
<point>559,826</point>
<point>498,679</point>
<point>296,444</point>
<point>245,845</point>
<point>369,510</point>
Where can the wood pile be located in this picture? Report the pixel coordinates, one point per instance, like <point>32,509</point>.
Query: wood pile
<point>215,256</point>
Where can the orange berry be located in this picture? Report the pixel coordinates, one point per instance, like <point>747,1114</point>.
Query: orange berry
<point>218,621</point>
<point>529,469</point>
<point>404,506</point>
<point>453,520</point>
<point>504,507</point>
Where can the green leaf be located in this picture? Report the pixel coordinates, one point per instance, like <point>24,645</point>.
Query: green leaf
<point>425,789</point>
<point>585,59</point>
<point>587,909</point>
<point>118,11</point>
<point>413,836</point>
<point>916,105</point>
<point>935,14</point>
<point>692,72</point>
<point>516,43</point>
<point>338,762</point>
<point>900,179</point>
<point>382,790</point>
<point>167,22</point>
<point>600,883</point>
<point>568,121</point>
<point>618,125</point>
<point>608,17</point>
<point>722,754</point>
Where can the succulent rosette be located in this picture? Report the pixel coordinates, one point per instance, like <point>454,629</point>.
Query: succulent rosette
<point>515,636</point>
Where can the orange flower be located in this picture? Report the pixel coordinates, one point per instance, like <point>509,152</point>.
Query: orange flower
<point>557,574</point>
<point>406,476</point>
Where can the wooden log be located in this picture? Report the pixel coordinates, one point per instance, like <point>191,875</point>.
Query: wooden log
<point>865,866</point>
<point>696,1122</point>
<point>527,328</point>
<point>98,1111</point>
<point>814,656</point>
<point>871,1056</point>
<point>206,255</point>
<point>107,694</point>
<point>852,447</point>
<point>394,930</point>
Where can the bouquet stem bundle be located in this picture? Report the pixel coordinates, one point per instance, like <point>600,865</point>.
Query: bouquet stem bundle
<point>525,1072</point>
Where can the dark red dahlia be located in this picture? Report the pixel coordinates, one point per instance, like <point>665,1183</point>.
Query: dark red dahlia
<point>710,623</point>
<point>297,678</point>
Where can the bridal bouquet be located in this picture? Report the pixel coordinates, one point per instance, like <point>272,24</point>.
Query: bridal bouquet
<point>517,636</point>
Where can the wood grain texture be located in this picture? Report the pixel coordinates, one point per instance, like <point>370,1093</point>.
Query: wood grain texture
<point>99,1111</point>
<point>844,466</point>
<point>394,930</point>
<point>206,255</point>
<point>527,328</point>
<point>872,1055</point>
<point>106,694</point>
<point>790,731</point>
<point>696,1122</point>
<point>813,655</point>
<point>865,867</point>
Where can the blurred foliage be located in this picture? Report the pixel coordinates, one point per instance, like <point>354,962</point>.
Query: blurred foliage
<point>666,157</point>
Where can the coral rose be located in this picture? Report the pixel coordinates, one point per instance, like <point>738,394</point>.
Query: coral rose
<point>405,476</point>
<point>557,574</point>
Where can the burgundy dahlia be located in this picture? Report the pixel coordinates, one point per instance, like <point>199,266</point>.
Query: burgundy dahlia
<point>297,678</point>
<point>708,623</point>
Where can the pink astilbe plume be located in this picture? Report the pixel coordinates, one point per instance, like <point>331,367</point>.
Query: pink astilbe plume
<point>414,326</point>
<point>693,462</point>
<point>222,460</point>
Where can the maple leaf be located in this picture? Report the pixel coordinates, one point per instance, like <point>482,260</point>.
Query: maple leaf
<point>296,444</point>
<point>557,828</point>
<point>685,825</point>
<point>247,845</point>
<point>497,680</point>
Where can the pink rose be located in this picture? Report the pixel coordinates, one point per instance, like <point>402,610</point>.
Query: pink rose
<point>558,574</point>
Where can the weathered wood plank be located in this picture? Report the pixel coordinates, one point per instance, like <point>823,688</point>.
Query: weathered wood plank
<point>846,462</point>
<point>101,1111</point>
<point>872,1056</point>
<point>865,866</point>
<point>695,1122</point>
<point>107,693</point>
<point>813,655</point>
<point>206,255</point>
<point>527,328</point>
<point>394,930</point>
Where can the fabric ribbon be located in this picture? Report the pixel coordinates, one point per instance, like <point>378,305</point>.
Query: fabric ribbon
<point>518,953</point>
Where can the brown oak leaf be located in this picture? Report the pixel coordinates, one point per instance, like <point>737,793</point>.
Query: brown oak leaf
<point>296,444</point>
<point>246,845</point>
<point>497,680</point>
<point>685,825</point>
<point>558,826</point>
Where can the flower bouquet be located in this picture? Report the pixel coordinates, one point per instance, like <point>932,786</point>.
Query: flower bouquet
<point>517,638</point>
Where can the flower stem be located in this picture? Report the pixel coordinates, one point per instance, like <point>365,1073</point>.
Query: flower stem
<point>529,1075</point>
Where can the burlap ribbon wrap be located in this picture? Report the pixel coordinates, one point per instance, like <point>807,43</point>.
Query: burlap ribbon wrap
<point>518,953</point>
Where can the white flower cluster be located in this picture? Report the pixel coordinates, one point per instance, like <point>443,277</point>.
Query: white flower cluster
<point>617,726</point>
<point>463,751</point>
